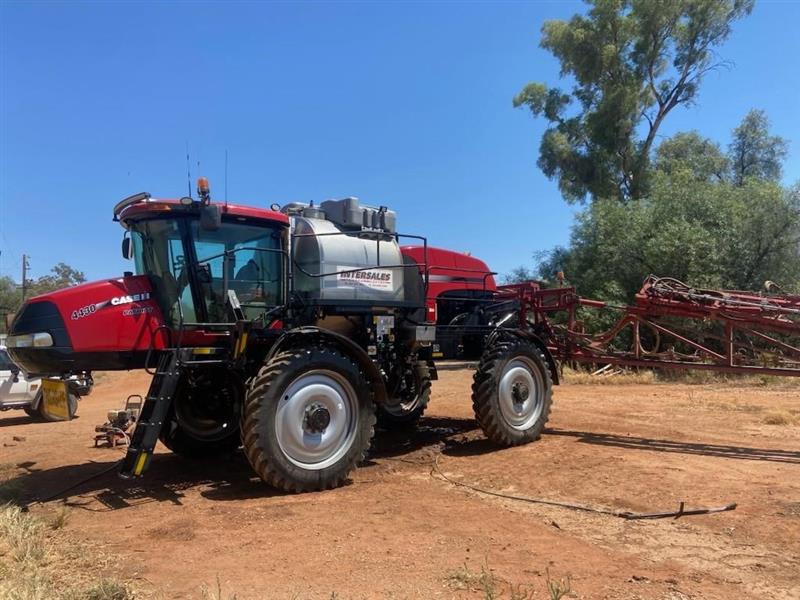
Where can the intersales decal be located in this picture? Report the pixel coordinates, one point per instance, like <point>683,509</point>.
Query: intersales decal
<point>379,279</point>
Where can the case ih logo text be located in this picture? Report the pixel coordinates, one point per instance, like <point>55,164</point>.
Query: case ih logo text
<point>129,299</point>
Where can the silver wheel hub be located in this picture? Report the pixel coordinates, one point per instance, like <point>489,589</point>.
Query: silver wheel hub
<point>316,420</point>
<point>521,393</point>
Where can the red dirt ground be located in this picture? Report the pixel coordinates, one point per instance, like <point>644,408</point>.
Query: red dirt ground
<point>398,532</point>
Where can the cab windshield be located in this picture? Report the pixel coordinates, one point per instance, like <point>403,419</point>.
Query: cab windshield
<point>188,266</point>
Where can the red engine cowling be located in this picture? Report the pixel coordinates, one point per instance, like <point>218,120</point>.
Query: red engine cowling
<point>105,325</point>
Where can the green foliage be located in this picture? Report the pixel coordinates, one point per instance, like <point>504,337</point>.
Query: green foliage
<point>632,63</point>
<point>754,153</point>
<point>690,151</point>
<point>705,221</point>
<point>60,276</point>
<point>705,233</point>
<point>519,274</point>
<point>10,295</point>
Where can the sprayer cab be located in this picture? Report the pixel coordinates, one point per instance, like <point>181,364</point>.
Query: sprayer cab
<point>187,254</point>
<point>195,251</point>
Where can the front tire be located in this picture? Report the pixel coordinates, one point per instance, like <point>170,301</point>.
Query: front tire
<point>512,393</point>
<point>308,419</point>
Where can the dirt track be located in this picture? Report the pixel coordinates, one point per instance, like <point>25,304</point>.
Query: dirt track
<point>398,532</point>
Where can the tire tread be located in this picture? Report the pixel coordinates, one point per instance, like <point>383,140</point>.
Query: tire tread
<point>484,393</point>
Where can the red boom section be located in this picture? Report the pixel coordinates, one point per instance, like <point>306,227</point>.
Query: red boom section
<point>670,325</point>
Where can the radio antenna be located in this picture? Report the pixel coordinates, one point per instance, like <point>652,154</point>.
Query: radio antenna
<point>188,170</point>
<point>226,178</point>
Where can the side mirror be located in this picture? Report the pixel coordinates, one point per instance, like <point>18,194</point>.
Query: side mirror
<point>127,248</point>
<point>14,373</point>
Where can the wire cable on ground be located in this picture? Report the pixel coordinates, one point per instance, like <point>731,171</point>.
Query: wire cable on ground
<point>436,470</point>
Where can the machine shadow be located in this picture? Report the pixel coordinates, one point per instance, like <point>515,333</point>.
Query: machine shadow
<point>430,433</point>
<point>169,476</point>
<point>167,480</point>
<point>27,420</point>
<point>11,421</point>
<point>715,450</point>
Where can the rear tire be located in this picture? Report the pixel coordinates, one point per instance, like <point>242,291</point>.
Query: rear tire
<point>203,420</point>
<point>413,405</point>
<point>512,393</point>
<point>308,419</point>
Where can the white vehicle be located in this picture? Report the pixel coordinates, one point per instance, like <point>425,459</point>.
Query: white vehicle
<point>17,391</point>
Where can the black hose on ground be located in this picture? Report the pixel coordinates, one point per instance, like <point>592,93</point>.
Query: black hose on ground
<point>627,515</point>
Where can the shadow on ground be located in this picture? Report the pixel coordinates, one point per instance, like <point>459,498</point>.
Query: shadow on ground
<point>226,478</point>
<point>167,480</point>
<point>23,419</point>
<point>429,433</point>
<point>715,450</point>
<point>231,478</point>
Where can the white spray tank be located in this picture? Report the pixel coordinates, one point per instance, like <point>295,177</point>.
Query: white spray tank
<point>347,252</point>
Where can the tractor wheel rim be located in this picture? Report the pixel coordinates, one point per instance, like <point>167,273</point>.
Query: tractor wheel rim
<point>521,393</point>
<point>301,441</point>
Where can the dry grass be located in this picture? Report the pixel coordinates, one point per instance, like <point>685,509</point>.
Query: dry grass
<point>216,592</point>
<point>558,588</point>
<point>108,589</point>
<point>99,376</point>
<point>622,376</point>
<point>491,587</point>
<point>484,582</point>
<point>779,417</point>
<point>39,560</point>
<point>60,518</point>
<point>723,379</point>
<point>574,377</point>
<point>22,534</point>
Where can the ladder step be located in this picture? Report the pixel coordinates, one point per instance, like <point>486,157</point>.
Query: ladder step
<point>152,416</point>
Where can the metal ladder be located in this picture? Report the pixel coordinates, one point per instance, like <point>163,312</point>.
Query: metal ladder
<point>151,418</point>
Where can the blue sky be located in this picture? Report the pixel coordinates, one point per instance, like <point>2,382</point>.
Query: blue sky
<point>402,104</point>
